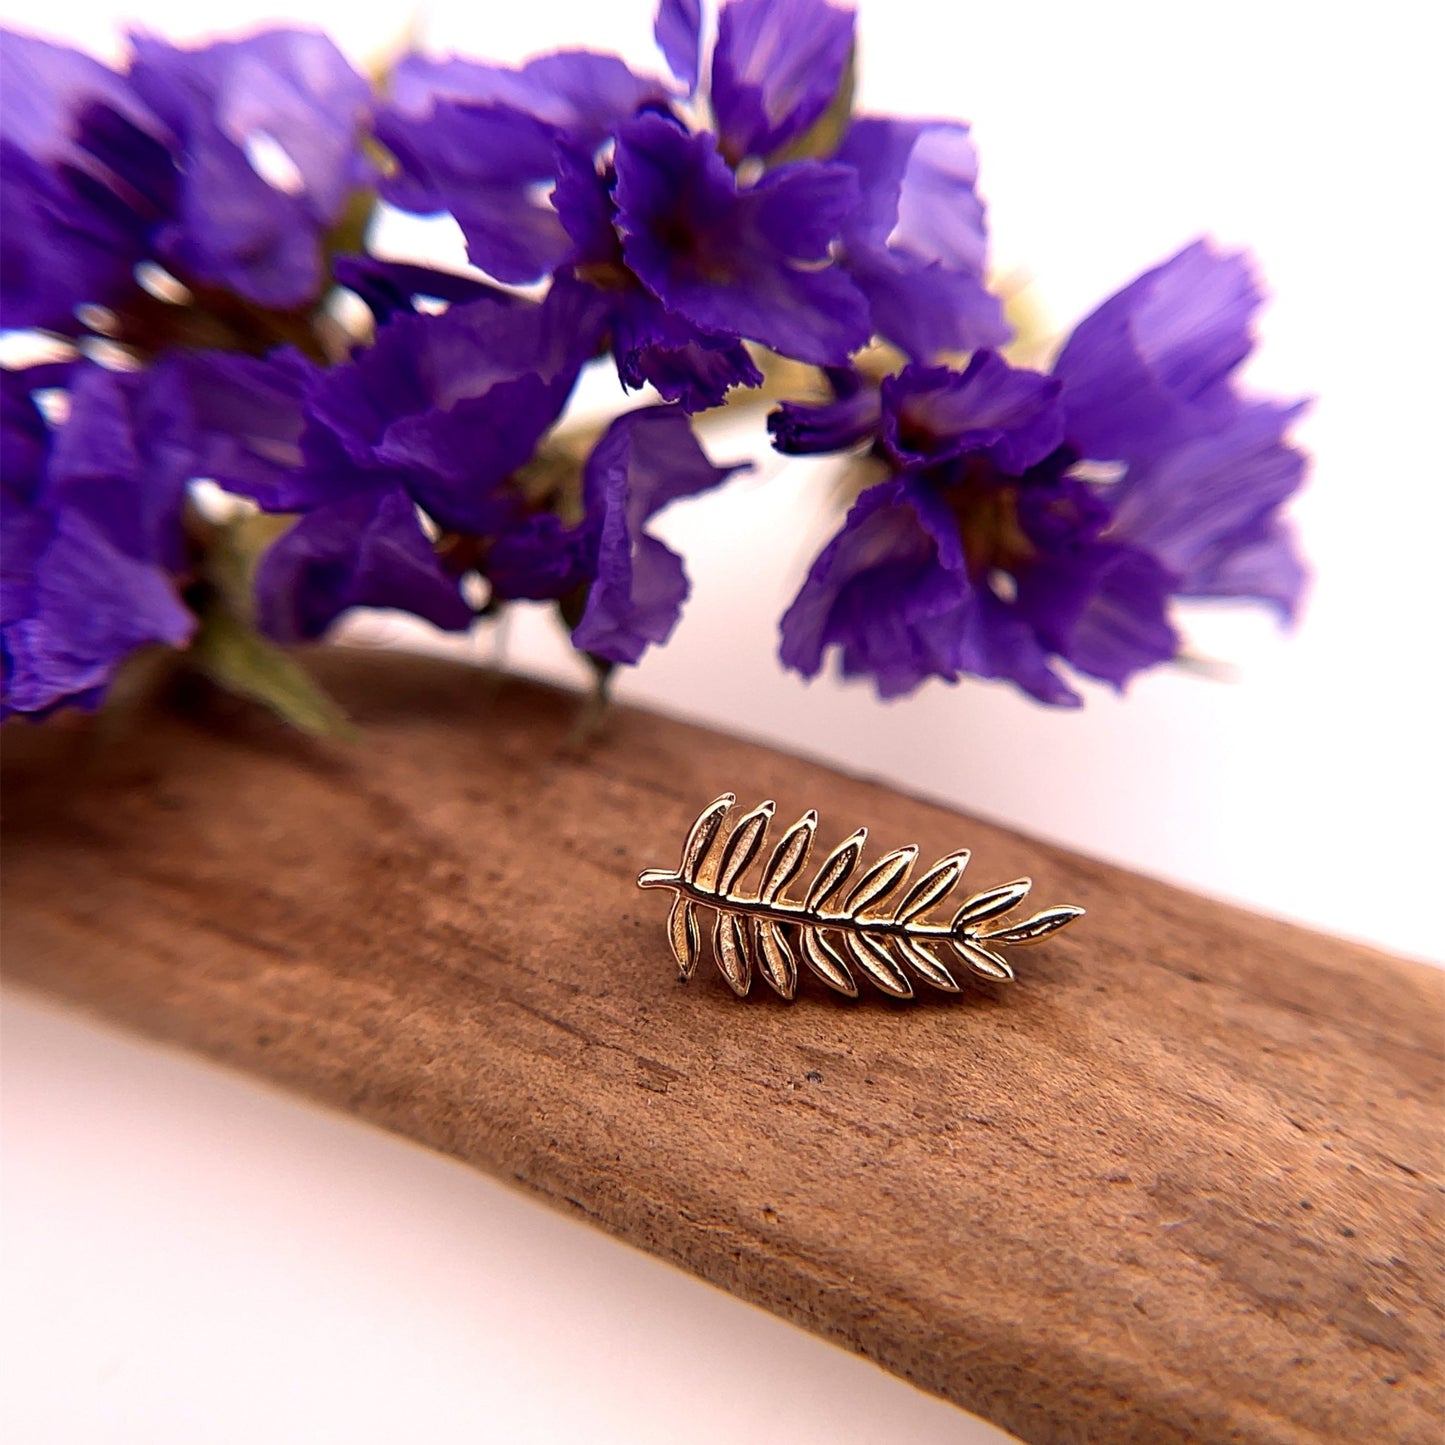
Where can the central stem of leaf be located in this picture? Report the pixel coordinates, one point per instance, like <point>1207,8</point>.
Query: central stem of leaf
<point>782,910</point>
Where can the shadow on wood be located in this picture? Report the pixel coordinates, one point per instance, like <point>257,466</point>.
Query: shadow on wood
<point>1182,1181</point>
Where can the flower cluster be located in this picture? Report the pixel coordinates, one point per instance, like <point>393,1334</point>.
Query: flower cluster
<point>1026,520</point>
<point>177,234</point>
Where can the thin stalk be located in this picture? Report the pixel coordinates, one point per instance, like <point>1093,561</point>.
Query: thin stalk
<point>783,910</point>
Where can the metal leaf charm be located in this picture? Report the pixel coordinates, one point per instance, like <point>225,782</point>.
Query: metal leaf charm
<point>682,934</point>
<point>788,857</point>
<point>984,962</point>
<point>836,931</point>
<point>873,956</point>
<point>731,946</point>
<point>881,881</point>
<point>699,842</point>
<point>925,963</point>
<point>934,886</point>
<point>983,906</point>
<point>1035,928</point>
<point>827,962</point>
<point>775,959</point>
<point>743,847</point>
<point>834,872</point>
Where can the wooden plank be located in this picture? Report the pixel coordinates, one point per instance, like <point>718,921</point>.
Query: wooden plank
<point>1182,1181</point>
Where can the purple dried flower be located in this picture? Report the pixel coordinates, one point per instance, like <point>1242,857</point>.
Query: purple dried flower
<point>91,532</point>
<point>851,418</point>
<point>457,401</point>
<point>364,549</point>
<point>677,29</point>
<point>634,585</point>
<point>437,414</point>
<point>776,67</point>
<point>916,245</point>
<point>441,417</point>
<point>266,132</point>
<point>744,261</point>
<point>1153,366</point>
<point>480,141</point>
<point>1209,510</point>
<point>931,415</point>
<point>646,460</point>
<point>450,405</point>
<point>226,163</point>
<point>903,590</point>
<point>82,180</point>
<point>675,222</point>
<point>651,344</point>
<point>695,256</point>
<point>989,552</point>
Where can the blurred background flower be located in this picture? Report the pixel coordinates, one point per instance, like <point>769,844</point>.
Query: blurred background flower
<point>672,228</point>
<point>232,174</point>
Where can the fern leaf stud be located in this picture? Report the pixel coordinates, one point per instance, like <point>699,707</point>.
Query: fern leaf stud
<point>851,921</point>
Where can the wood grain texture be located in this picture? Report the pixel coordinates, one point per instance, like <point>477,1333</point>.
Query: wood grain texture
<point>1181,1182</point>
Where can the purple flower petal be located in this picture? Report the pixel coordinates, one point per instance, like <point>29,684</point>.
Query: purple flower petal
<point>269,128</point>
<point>249,416</point>
<point>646,460</point>
<point>453,461</point>
<point>740,263</point>
<point>583,201</point>
<point>916,181</point>
<point>44,87</point>
<point>1151,367</point>
<point>851,418</point>
<point>1215,499</point>
<point>776,67</point>
<point>123,459</point>
<point>487,166</point>
<point>480,141</point>
<point>391,288</point>
<point>994,641</point>
<point>892,592</point>
<point>82,179</point>
<point>89,606</point>
<point>24,432</point>
<point>924,308</point>
<point>1006,413</point>
<point>90,532</point>
<point>581,96</point>
<point>25,533</point>
<point>678,32</point>
<point>367,550</point>
<point>887,591</point>
<point>1265,567</point>
<point>636,598</point>
<point>917,245</point>
<point>684,364</point>
<point>444,406</point>
<point>450,405</point>
<point>540,558</point>
<point>652,345</point>
<point>1103,607</point>
<point>291,89</point>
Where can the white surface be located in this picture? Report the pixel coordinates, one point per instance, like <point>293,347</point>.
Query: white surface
<point>157,1209</point>
<point>193,1257</point>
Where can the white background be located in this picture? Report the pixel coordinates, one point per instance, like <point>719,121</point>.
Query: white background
<point>189,1257</point>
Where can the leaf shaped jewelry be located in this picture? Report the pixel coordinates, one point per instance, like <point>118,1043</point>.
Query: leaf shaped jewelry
<point>849,922</point>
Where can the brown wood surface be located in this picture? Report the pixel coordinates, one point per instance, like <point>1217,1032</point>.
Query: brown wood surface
<point>1181,1182</point>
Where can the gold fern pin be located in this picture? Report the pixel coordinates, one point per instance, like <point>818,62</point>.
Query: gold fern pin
<point>847,919</point>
